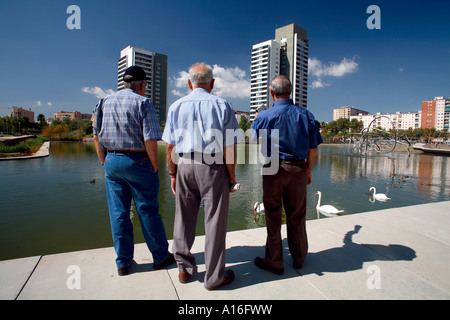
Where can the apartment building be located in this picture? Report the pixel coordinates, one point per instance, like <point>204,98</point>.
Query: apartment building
<point>264,67</point>
<point>436,113</point>
<point>387,121</point>
<point>294,60</point>
<point>156,69</point>
<point>287,55</point>
<point>20,113</point>
<point>76,115</point>
<point>346,112</point>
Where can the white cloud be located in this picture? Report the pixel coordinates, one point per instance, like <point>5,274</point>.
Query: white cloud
<point>315,67</point>
<point>319,69</point>
<point>97,91</point>
<point>178,93</point>
<point>344,67</point>
<point>182,79</point>
<point>319,84</point>
<point>229,83</point>
<point>38,104</point>
<point>49,104</point>
<point>401,69</point>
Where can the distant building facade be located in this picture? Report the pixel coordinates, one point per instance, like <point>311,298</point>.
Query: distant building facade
<point>238,114</point>
<point>387,121</point>
<point>20,113</point>
<point>76,115</point>
<point>436,113</point>
<point>346,112</point>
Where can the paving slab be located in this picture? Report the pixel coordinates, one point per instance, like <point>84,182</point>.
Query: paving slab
<point>92,275</point>
<point>14,274</point>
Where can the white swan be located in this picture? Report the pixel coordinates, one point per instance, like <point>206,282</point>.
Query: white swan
<point>326,210</point>
<point>259,208</point>
<point>259,211</point>
<point>379,196</point>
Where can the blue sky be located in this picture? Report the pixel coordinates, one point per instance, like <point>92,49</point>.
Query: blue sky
<point>48,68</point>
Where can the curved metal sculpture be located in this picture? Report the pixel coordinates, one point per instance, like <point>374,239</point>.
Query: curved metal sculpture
<point>379,140</point>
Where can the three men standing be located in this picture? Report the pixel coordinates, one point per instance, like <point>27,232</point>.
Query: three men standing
<point>200,132</point>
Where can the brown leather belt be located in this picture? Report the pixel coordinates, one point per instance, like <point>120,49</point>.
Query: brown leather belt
<point>127,151</point>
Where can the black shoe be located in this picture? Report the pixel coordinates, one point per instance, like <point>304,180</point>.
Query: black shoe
<point>125,270</point>
<point>260,263</point>
<point>297,265</point>
<point>170,259</point>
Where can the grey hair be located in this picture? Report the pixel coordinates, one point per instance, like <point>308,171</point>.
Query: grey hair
<point>200,73</point>
<point>281,85</point>
<point>134,85</point>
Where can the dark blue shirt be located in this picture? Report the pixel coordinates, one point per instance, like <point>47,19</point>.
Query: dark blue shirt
<point>298,131</point>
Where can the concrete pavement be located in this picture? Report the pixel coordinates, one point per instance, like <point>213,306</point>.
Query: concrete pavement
<point>400,253</point>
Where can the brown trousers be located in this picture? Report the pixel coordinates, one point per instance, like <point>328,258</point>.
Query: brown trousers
<point>288,187</point>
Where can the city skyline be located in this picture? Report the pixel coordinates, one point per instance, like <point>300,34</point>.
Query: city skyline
<point>48,67</point>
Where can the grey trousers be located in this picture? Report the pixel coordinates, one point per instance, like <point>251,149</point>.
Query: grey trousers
<point>210,183</point>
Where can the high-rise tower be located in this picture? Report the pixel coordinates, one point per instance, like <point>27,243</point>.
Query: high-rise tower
<point>155,66</point>
<point>294,60</point>
<point>264,67</point>
<point>286,55</point>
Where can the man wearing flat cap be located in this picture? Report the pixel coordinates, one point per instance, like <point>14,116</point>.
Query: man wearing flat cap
<point>126,130</point>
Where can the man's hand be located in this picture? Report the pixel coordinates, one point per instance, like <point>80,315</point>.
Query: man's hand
<point>101,153</point>
<point>309,178</point>
<point>151,147</point>
<point>310,163</point>
<point>170,157</point>
<point>173,183</point>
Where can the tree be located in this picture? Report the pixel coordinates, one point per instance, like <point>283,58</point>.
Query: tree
<point>162,125</point>
<point>356,126</point>
<point>41,118</point>
<point>47,132</point>
<point>60,131</point>
<point>86,125</point>
<point>244,124</point>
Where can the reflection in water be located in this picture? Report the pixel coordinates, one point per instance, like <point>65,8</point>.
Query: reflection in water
<point>420,174</point>
<point>47,205</point>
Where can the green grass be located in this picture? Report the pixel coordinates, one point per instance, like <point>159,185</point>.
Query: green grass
<point>27,146</point>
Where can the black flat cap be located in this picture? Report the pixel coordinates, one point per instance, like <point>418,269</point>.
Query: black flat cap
<point>134,73</point>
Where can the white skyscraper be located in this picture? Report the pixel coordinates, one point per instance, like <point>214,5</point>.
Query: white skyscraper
<point>264,67</point>
<point>287,55</point>
<point>155,67</point>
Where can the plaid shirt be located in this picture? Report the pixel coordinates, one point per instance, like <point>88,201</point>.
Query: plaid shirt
<point>124,120</point>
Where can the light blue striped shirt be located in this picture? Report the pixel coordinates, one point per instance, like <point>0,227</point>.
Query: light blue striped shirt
<point>201,122</point>
<point>124,120</point>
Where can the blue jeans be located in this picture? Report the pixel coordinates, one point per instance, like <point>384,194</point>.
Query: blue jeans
<point>130,176</point>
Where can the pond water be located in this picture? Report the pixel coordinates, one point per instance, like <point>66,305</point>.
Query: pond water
<point>49,205</point>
